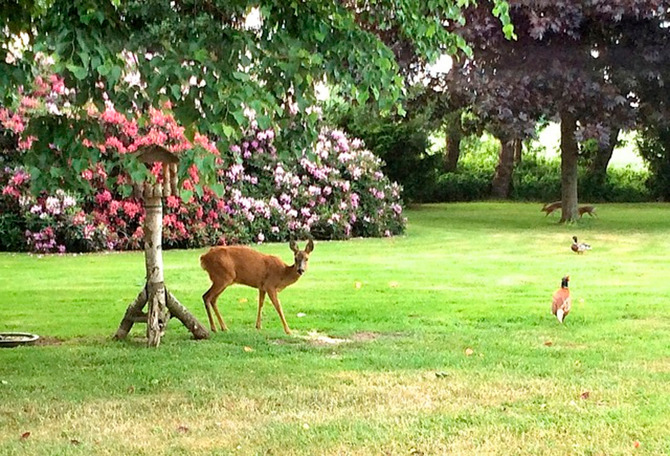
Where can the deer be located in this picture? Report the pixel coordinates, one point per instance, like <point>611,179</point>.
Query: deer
<point>227,265</point>
<point>556,205</point>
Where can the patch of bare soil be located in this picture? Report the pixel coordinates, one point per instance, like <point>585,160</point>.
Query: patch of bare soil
<point>323,340</point>
<point>365,336</point>
<point>48,340</point>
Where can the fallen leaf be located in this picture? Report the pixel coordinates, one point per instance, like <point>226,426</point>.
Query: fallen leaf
<point>25,435</point>
<point>243,300</point>
<point>585,395</point>
<point>248,349</point>
<point>182,428</point>
<point>469,352</point>
<point>75,442</point>
<point>636,444</point>
<point>358,285</point>
<point>548,343</point>
<point>393,284</point>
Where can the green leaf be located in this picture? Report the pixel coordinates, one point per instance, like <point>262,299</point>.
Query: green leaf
<point>103,70</point>
<point>508,30</point>
<point>240,118</point>
<point>201,55</point>
<point>227,130</point>
<point>217,189</point>
<point>244,77</point>
<point>264,122</point>
<point>185,195</point>
<point>78,71</point>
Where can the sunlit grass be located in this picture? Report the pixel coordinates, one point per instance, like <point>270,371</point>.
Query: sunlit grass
<point>440,341</point>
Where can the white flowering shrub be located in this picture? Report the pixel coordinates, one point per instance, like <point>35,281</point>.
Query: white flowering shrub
<point>335,191</point>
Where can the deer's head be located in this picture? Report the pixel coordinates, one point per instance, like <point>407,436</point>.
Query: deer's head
<point>301,256</point>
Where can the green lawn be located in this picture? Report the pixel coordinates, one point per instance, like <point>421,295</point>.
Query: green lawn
<point>446,346</point>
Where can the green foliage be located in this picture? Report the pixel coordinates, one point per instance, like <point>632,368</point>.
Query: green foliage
<point>12,227</point>
<point>535,178</point>
<point>539,179</point>
<point>402,145</point>
<point>654,146</point>
<point>212,65</point>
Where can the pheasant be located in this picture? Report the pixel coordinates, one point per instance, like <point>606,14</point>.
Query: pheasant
<point>579,247</point>
<point>561,304</point>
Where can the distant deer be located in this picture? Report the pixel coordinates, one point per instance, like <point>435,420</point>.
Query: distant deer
<point>556,205</point>
<point>239,264</point>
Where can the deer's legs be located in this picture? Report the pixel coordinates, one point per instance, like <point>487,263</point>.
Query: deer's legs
<point>275,302</point>
<point>205,300</point>
<point>218,315</point>
<point>261,300</point>
<point>209,298</point>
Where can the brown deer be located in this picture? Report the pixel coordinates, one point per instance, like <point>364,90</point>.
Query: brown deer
<point>551,207</point>
<point>239,264</point>
<point>556,206</point>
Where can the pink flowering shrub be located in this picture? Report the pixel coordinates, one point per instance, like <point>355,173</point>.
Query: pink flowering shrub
<point>335,191</point>
<point>49,223</point>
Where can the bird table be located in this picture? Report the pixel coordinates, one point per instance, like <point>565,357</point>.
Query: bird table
<point>162,305</point>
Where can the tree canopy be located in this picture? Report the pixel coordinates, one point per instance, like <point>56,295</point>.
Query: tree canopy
<point>594,65</point>
<point>212,64</point>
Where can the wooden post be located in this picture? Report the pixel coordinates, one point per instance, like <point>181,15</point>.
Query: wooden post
<point>158,315</point>
<point>162,304</point>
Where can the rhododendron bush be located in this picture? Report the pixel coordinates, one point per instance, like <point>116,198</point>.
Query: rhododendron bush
<point>334,191</point>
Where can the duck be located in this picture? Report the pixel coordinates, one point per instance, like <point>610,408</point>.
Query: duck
<point>561,303</point>
<point>579,247</point>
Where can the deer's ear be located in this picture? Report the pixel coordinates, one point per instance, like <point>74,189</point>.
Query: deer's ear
<point>309,247</point>
<point>293,246</point>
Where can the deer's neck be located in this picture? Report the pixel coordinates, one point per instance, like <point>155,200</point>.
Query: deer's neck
<point>290,275</point>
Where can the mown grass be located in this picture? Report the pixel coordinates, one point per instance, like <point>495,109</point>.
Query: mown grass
<point>450,347</point>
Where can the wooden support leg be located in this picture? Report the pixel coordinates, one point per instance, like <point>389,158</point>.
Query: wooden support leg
<point>180,312</point>
<point>134,310</point>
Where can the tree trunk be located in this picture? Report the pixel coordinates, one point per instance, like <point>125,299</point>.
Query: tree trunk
<point>500,186</point>
<point>162,304</point>
<point>569,155</point>
<point>518,151</point>
<point>158,314</point>
<point>454,136</point>
<point>598,166</point>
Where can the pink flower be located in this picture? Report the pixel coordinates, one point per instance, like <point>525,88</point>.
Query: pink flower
<point>172,202</point>
<point>11,191</point>
<point>114,206</point>
<point>131,208</point>
<point>194,173</point>
<point>115,143</point>
<point>57,84</point>
<point>103,197</point>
